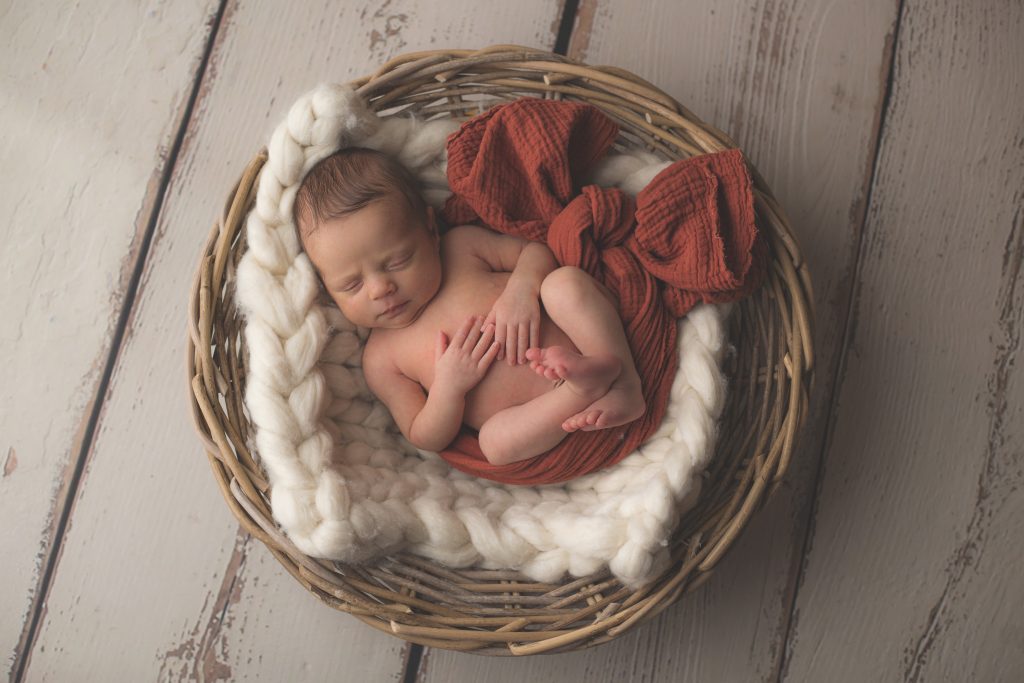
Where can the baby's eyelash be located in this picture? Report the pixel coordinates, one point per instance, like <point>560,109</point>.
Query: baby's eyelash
<point>399,263</point>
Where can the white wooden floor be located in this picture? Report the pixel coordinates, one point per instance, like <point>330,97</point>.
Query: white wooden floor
<point>891,130</point>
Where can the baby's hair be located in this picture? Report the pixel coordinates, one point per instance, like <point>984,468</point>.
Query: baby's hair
<point>349,180</point>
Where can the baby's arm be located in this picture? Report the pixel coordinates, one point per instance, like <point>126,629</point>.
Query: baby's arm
<point>440,419</point>
<point>533,265</point>
<point>403,397</point>
<point>432,422</point>
<point>516,313</point>
<point>529,262</point>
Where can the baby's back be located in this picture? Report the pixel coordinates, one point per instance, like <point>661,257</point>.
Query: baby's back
<point>468,287</point>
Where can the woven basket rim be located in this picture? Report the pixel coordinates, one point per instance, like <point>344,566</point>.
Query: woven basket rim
<point>501,612</point>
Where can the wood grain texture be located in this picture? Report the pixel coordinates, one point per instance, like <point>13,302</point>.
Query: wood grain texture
<point>91,97</point>
<point>913,571</point>
<point>155,579</point>
<point>799,86</point>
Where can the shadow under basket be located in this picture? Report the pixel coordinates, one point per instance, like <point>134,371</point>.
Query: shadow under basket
<point>501,612</point>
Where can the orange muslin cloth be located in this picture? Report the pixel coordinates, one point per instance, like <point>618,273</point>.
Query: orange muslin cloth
<point>689,237</point>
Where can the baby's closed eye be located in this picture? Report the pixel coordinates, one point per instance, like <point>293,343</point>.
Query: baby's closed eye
<point>350,286</point>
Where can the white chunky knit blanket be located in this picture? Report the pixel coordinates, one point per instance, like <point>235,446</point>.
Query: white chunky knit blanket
<point>345,485</point>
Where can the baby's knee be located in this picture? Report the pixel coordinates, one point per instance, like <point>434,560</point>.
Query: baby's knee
<point>566,283</point>
<point>573,289</point>
<point>494,447</point>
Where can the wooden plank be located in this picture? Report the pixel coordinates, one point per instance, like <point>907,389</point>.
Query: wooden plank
<point>913,572</point>
<point>154,578</point>
<point>799,86</point>
<point>264,626</point>
<point>91,99</point>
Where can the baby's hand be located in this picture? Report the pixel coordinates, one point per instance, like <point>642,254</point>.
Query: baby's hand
<point>516,319</point>
<point>461,364</point>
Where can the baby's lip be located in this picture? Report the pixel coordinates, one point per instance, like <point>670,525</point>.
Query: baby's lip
<point>394,309</point>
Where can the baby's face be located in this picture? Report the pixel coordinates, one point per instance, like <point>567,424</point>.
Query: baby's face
<point>381,264</point>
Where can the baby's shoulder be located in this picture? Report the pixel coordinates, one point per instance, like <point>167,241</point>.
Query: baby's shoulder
<point>378,355</point>
<point>462,234</point>
<point>387,353</point>
<point>465,240</point>
<point>466,237</point>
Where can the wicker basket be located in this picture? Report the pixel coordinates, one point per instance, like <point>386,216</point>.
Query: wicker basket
<point>501,612</point>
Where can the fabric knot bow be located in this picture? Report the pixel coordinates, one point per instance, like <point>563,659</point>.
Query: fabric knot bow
<point>690,236</point>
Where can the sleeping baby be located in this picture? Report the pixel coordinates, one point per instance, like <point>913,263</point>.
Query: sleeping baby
<point>471,326</point>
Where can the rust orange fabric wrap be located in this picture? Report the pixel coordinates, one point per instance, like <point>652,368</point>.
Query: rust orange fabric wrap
<point>689,237</point>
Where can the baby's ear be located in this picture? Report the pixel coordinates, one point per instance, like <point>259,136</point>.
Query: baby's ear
<point>432,226</point>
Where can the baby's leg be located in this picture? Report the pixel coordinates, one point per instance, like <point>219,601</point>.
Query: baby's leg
<point>529,429</point>
<point>580,307</point>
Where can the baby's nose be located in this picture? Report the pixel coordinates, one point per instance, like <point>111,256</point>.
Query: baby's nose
<point>382,287</point>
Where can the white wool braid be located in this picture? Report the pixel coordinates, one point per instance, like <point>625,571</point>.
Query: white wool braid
<point>346,486</point>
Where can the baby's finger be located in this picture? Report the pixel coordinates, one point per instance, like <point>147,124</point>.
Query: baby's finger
<point>460,336</point>
<point>441,345</point>
<point>485,342</point>
<point>524,342</point>
<point>474,334</point>
<point>511,353</point>
<point>499,336</point>
<point>489,357</point>
<point>534,334</point>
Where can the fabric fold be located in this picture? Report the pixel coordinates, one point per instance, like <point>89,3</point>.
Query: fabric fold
<point>689,236</point>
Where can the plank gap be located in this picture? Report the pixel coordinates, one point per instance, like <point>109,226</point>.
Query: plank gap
<point>412,663</point>
<point>64,506</point>
<point>798,564</point>
<point>565,26</point>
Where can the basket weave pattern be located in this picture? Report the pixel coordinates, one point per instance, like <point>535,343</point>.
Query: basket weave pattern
<point>493,611</point>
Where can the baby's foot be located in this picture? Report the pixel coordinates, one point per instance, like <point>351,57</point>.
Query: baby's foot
<point>623,403</point>
<point>588,376</point>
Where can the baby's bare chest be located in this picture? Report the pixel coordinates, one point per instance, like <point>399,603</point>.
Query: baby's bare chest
<point>464,293</point>
<point>470,293</point>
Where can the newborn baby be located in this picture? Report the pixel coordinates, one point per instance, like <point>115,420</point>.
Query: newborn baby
<point>444,308</point>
